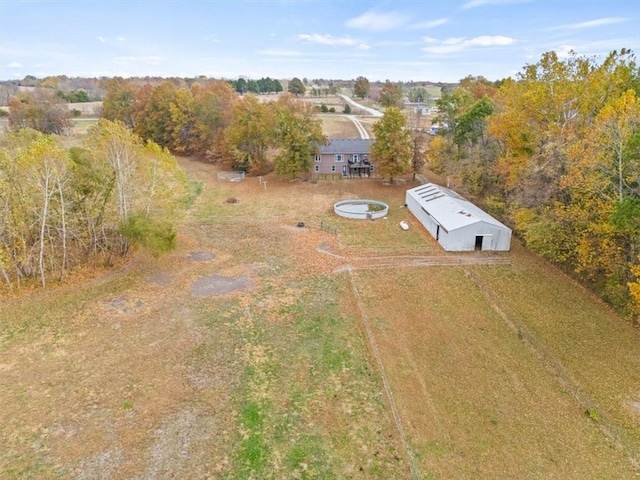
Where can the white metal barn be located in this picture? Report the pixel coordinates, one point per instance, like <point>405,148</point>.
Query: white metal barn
<point>456,224</point>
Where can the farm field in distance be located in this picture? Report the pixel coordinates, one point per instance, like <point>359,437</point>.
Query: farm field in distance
<point>260,349</point>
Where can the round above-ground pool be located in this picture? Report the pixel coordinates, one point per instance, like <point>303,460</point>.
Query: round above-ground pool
<point>361,209</point>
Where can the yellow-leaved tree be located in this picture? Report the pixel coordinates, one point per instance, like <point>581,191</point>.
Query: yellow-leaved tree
<point>250,134</point>
<point>146,188</point>
<point>634,288</point>
<point>392,149</point>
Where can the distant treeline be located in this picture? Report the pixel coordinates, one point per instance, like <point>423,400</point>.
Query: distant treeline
<point>88,89</point>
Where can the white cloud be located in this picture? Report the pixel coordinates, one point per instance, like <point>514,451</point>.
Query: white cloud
<point>15,65</point>
<point>580,48</point>
<point>120,39</point>
<point>429,24</point>
<point>482,3</point>
<point>101,39</point>
<point>454,41</point>
<point>458,44</point>
<point>489,41</point>
<point>327,39</point>
<point>377,22</point>
<point>565,51</point>
<point>597,23</point>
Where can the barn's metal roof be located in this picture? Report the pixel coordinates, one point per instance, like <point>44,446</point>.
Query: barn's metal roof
<point>449,209</point>
<point>347,146</point>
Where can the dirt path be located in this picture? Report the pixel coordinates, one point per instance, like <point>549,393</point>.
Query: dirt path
<point>361,130</point>
<point>352,262</point>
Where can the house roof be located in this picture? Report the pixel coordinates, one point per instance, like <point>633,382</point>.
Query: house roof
<point>346,146</point>
<point>449,209</point>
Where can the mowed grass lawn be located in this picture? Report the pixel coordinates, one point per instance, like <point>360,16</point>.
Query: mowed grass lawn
<point>550,398</point>
<point>496,371</point>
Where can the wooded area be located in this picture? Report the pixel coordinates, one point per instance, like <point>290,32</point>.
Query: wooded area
<point>212,122</point>
<point>556,153</point>
<point>62,208</point>
<point>553,152</point>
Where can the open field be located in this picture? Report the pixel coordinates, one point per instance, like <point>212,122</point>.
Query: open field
<point>80,126</point>
<point>87,109</point>
<point>259,349</point>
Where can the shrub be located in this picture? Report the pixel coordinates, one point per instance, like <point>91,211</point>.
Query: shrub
<point>592,413</point>
<point>157,237</point>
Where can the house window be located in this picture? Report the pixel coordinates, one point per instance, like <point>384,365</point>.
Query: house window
<point>317,168</point>
<point>371,168</point>
<point>355,158</point>
<point>333,168</point>
<point>318,158</point>
<point>339,158</point>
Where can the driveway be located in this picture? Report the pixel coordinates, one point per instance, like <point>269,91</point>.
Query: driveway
<point>371,111</point>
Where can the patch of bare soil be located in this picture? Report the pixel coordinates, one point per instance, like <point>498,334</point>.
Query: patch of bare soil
<point>201,256</point>
<point>219,285</point>
<point>159,278</point>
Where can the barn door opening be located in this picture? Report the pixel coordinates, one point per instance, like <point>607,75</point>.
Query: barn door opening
<point>478,242</point>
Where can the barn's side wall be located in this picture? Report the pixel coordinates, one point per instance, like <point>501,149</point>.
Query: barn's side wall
<point>495,238</point>
<point>427,221</point>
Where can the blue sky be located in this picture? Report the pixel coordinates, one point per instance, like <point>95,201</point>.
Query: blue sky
<point>399,40</point>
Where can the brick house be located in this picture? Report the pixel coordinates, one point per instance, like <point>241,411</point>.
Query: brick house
<point>346,157</point>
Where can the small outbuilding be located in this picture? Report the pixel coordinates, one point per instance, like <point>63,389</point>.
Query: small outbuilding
<point>456,223</point>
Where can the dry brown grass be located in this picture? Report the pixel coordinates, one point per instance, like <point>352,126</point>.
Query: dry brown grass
<point>336,125</point>
<point>476,399</point>
<point>492,367</point>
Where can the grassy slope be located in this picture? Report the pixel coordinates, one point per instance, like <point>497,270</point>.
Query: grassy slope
<point>129,375</point>
<point>477,400</point>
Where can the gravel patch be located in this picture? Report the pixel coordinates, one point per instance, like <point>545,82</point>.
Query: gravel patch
<point>123,305</point>
<point>177,446</point>
<point>201,256</point>
<point>218,285</point>
<point>100,466</point>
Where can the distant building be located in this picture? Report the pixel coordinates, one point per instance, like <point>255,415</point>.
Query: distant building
<point>417,107</point>
<point>346,157</point>
<point>437,127</point>
<point>456,224</point>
